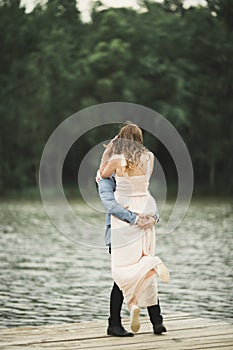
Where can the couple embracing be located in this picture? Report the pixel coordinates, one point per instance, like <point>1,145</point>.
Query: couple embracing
<point>123,180</point>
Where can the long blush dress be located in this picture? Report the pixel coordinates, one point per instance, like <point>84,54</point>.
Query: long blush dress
<point>133,249</point>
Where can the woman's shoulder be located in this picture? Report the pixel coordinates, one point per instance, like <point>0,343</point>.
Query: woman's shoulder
<point>149,154</point>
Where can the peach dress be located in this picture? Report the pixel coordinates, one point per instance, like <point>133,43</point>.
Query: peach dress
<point>133,249</point>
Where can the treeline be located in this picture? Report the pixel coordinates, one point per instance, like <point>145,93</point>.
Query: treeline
<point>174,60</point>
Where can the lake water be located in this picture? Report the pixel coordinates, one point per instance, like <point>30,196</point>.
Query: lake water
<point>47,278</point>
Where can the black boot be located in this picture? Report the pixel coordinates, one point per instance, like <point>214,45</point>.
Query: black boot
<point>159,328</point>
<point>156,319</point>
<point>115,327</point>
<point>118,331</point>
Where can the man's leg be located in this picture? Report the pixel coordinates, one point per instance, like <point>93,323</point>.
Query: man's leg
<point>115,327</point>
<point>116,301</point>
<point>156,318</point>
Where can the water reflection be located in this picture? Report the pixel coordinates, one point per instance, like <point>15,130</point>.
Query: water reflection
<point>46,278</point>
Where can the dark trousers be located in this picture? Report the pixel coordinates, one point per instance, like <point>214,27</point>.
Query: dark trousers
<point>116,301</point>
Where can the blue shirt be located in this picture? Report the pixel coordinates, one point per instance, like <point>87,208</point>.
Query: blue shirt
<point>106,189</point>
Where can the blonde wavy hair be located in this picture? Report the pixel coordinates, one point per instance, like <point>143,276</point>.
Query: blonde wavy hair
<point>129,142</point>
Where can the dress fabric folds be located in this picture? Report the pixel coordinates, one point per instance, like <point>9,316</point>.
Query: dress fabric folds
<point>132,248</point>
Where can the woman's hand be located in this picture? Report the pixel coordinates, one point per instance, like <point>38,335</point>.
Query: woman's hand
<point>106,154</point>
<point>106,167</point>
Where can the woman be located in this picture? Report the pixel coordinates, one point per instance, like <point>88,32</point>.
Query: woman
<point>134,266</point>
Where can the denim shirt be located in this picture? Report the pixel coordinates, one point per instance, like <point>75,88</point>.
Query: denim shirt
<point>106,189</point>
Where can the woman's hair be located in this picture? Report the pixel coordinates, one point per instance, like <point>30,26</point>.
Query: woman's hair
<point>129,142</point>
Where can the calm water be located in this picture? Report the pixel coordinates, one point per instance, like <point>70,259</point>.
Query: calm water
<point>47,278</point>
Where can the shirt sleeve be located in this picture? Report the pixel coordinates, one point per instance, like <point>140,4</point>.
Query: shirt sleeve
<point>106,188</point>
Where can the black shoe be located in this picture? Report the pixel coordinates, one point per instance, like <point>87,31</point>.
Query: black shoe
<point>118,331</point>
<point>159,328</point>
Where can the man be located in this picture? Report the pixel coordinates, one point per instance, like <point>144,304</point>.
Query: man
<point>106,188</point>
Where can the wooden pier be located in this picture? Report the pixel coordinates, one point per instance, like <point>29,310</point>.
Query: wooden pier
<point>184,332</point>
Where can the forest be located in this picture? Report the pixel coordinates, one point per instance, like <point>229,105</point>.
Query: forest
<point>174,60</point>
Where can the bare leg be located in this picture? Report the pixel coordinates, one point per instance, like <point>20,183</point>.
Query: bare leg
<point>150,273</point>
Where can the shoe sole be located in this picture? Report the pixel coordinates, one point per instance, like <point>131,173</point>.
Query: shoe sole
<point>135,323</point>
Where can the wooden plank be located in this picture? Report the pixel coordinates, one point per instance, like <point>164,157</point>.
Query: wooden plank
<point>173,340</point>
<point>90,330</point>
<point>149,343</point>
<point>26,338</point>
<point>77,326</point>
<point>184,332</point>
<point>96,324</point>
<point>99,324</point>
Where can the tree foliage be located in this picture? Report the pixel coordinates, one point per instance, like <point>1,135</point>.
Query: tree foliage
<point>174,60</point>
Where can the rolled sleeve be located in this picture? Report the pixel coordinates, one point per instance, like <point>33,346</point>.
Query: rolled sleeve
<point>106,188</point>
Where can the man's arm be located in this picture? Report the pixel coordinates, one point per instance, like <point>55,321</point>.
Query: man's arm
<point>106,188</point>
